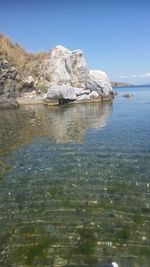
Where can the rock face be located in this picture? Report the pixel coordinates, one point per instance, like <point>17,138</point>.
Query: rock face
<point>8,85</point>
<point>67,93</point>
<point>70,80</point>
<point>97,81</point>
<point>8,75</point>
<point>12,84</point>
<point>64,67</point>
<point>29,83</point>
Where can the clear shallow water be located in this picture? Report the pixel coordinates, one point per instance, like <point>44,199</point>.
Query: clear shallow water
<point>75,183</point>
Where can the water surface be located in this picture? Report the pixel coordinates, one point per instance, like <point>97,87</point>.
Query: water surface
<point>75,183</point>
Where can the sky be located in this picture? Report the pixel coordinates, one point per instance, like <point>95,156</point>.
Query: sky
<point>114,34</point>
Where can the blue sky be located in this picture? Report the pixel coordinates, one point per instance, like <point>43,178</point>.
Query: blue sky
<point>114,35</point>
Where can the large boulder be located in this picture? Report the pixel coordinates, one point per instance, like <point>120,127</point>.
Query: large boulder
<point>62,74</point>
<point>66,73</point>
<point>64,67</point>
<point>66,93</point>
<point>97,81</point>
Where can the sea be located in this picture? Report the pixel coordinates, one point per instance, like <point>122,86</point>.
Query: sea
<point>75,183</point>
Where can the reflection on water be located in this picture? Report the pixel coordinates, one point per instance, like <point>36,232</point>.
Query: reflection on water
<point>71,195</point>
<point>61,124</point>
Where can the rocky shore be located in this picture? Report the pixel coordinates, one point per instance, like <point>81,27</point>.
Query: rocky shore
<point>61,76</point>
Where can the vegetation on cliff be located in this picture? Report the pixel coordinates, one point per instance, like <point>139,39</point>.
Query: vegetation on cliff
<point>18,57</point>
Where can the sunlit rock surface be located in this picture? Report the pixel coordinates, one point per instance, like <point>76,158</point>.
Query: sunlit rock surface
<point>62,74</point>
<point>98,81</point>
<point>64,67</point>
<point>67,70</point>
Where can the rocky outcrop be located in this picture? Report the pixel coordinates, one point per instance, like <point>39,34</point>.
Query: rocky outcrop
<point>67,93</point>
<point>70,80</point>
<point>8,85</point>
<point>64,67</point>
<point>12,84</point>
<point>128,95</point>
<point>8,78</point>
<point>97,81</point>
<point>61,76</point>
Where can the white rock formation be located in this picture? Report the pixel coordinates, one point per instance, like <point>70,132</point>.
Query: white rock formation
<point>98,79</point>
<point>64,92</point>
<point>64,67</point>
<point>68,93</point>
<point>69,79</point>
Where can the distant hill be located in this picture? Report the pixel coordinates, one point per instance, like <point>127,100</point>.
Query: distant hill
<point>120,84</point>
<point>143,84</point>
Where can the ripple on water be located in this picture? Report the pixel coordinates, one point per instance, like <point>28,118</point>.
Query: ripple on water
<point>74,187</point>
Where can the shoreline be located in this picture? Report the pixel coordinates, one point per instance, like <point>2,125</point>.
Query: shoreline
<point>47,102</point>
<point>28,101</point>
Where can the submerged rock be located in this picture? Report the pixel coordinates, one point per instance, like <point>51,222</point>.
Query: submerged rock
<point>115,93</point>
<point>128,95</point>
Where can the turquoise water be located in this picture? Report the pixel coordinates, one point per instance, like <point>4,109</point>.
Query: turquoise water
<point>75,183</point>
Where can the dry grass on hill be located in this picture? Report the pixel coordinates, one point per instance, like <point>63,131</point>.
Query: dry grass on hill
<point>17,56</point>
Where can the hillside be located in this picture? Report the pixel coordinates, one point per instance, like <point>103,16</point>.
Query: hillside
<point>18,57</point>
